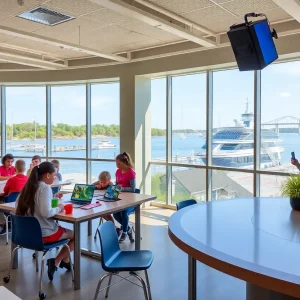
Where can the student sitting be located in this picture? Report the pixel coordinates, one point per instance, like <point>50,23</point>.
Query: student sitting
<point>35,200</point>
<point>7,170</point>
<point>35,161</point>
<point>104,181</point>
<point>125,178</point>
<point>57,165</point>
<point>16,183</point>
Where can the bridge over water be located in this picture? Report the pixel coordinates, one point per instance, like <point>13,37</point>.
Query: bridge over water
<point>283,121</point>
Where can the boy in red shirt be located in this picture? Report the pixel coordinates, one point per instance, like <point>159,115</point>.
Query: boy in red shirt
<point>17,182</point>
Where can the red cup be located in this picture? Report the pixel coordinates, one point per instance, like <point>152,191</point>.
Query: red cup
<point>68,209</point>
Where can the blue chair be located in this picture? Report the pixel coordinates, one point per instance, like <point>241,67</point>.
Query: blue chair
<point>185,203</point>
<point>136,191</point>
<point>12,197</point>
<point>114,260</point>
<point>27,233</point>
<point>55,190</point>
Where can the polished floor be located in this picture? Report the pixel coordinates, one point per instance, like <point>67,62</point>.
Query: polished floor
<point>168,274</point>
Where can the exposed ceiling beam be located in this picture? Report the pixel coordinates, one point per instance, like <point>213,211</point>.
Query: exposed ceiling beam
<point>292,7</point>
<point>143,16</point>
<point>38,62</point>
<point>24,61</point>
<point>174,16</point>
<point>58,43</point>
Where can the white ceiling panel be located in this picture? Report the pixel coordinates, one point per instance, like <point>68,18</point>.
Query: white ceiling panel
<point>208,15</point>
<point>242,7</point>
<point>149,31</point>
<point>277,14</point>
<point>107,17</point>
<point>222,26</point>
<point>183,6</point>
<point>25,25</point>
<point>111,35</point>
<point>73,7</point>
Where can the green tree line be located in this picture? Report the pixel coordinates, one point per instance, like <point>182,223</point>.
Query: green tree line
<point>61,130</point>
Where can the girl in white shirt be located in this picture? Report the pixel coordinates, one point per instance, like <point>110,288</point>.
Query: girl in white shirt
<point>35,200</point>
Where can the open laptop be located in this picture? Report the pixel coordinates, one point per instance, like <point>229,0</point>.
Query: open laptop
<point>82,195</point>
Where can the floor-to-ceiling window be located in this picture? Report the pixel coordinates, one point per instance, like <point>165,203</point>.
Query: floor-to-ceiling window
<point>62,111</point>
<point>239,165</point>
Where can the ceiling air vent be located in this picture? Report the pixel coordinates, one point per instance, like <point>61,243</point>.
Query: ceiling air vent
<point>45,16</point>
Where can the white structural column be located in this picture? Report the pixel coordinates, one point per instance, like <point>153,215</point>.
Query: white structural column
<point>135,118</point>
<point>143,132</point>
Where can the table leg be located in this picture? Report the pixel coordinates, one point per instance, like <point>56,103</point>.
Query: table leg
<point>138,228</point>
<point>192,279</point>
<point>77,253</point>
<point>16,261</point>
<point>90,228</point>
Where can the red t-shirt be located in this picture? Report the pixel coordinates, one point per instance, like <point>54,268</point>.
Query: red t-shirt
<point>7,172</point>
<point>15,184</point>
<point>123,179</point>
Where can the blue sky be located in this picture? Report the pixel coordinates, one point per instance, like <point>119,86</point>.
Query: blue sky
<point>280,97</point>
<point>26,104</point>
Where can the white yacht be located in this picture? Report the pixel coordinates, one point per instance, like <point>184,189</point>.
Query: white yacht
<point>105,144</point>
<point>234,146</point>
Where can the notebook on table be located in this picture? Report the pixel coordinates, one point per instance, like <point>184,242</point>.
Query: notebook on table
<point>82,195</point>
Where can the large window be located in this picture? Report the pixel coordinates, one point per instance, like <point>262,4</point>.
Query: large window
<point>188,118</point>
<point>233,119</point>
<point>68,113</point>
<point>105,103</point>
<point>280,128</point>
<point>26,121</point>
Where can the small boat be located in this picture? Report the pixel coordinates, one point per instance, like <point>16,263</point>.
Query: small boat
<point>105,144</point>
<point>35,148</point>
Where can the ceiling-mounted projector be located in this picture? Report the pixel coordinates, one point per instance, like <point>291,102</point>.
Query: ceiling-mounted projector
<point>252,43</point>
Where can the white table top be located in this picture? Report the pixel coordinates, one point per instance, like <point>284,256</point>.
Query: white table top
<point>5,294</point>
<point>254,239</point>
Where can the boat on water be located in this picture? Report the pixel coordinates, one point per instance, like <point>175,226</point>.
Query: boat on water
<point>182,136</point>
<point>35,148</point>
<point>234,146</point>
<point>105,144</point>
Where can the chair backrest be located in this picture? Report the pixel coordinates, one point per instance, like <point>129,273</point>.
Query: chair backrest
<point>137,191</point>
<point>108,241</point>
<point>185,203</point>
<point>12,197</point>
<point>27,232</point>
<point>55,190</point>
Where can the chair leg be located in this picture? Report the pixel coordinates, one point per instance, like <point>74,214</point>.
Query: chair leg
<point>7,278</point>
<point>70,258</point>
<point>99,285</point>
<point>148,285</point>
<point>6,224</point>
<point>36,261</point>
<point>109,282</point>
<point>141,280</point>
<point>100,222</point>
<point>42,272</point>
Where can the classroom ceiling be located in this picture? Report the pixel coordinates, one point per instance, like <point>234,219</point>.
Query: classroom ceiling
<point>120,31</point>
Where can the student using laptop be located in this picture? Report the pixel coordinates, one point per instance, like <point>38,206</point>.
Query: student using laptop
<point>125,178</point>
<point>104,181</point>
<point>35,200</point>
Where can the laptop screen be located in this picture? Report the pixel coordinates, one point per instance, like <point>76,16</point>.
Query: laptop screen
<point>83,192</point>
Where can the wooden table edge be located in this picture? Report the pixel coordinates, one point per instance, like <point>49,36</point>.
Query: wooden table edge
<point>265,281</point>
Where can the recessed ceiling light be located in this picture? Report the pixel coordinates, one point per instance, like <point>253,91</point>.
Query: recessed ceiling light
<point>45,16</point>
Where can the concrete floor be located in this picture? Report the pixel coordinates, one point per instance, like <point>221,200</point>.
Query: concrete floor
<point>168,274</point>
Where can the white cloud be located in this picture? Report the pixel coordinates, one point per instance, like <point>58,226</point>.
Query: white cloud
<point>285,95</point>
